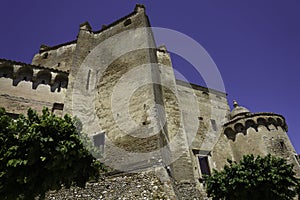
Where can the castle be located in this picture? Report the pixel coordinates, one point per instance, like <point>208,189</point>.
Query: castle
<point>123,88</point>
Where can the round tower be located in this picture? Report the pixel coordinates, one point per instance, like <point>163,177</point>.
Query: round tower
<point>259,134</point>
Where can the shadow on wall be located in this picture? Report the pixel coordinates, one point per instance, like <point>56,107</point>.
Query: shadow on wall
<point>35,74</point>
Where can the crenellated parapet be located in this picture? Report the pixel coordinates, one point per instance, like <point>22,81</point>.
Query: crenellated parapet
<point>18,72</point>
<point>240,124</point>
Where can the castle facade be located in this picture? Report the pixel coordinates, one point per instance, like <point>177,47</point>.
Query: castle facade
<point>123,89</point>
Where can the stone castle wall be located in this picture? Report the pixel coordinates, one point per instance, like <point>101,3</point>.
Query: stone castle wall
<point>117,82</point>
<point>59,57</point>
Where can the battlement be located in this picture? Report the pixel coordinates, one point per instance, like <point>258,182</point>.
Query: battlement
<point>240,124</point>
<point>18,72</point>
<point>85,26</point>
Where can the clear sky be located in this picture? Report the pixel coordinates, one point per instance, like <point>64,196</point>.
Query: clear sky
<point>255,44</point>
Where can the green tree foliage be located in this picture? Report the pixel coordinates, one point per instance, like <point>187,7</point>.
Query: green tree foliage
<point>40,153</point>
<point>260,178</point>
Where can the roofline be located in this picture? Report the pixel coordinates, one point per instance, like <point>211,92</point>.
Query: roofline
<point>48,48</point>
<point>202,88</point>
<point>120,20</point>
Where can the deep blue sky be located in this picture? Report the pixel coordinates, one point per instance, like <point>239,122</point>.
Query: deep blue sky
<point>255,44</point>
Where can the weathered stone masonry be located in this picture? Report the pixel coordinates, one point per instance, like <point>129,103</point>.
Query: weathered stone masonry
<point>185,130</point>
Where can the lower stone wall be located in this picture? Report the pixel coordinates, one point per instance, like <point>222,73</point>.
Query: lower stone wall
<point>187,191</point>
<point>151,184</point>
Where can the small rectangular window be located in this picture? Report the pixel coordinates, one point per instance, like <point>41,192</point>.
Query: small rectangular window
<point>213,124</point>
<point>204,165</point>
<point>12,115</point>
<point>58,106</point>
<point>99,140</point>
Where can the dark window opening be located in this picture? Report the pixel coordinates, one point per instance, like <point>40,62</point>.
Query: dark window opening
<point>24,78</point>
<point>59,87</point>
<point>88,80</point>
<point>12,115</point>
<point>282,146</point>
<point>297,159</point>
<point>200,118</point>
<point>204,165</point>
<point>57,106</point>
<point>214,125</point>
<point>43,81</point>
<point>127,22</point>
<point>99,140</point>
<point>45,55</point>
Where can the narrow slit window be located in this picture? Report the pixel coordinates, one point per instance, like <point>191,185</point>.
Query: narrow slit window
<point>282,145</point>
<point>297,157</point>
<point>88,80</point>
<point>59,86</point>
<point>214,124</point>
